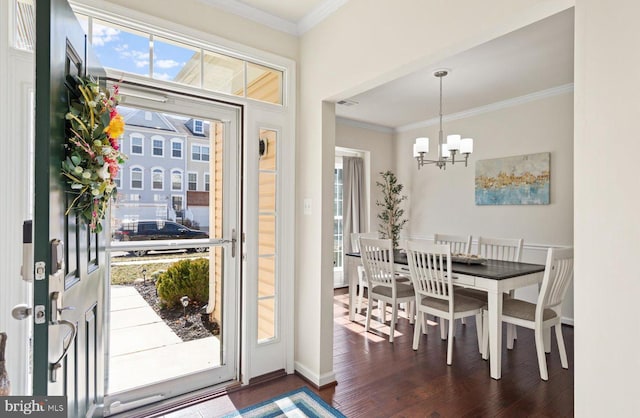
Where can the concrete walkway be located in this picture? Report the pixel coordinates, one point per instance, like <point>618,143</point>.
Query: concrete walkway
<point>144,350</point>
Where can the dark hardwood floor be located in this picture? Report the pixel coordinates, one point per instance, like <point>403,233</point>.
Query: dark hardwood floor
<point>379,379</point>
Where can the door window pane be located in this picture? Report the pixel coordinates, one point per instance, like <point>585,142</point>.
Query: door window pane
<point>267,224</point>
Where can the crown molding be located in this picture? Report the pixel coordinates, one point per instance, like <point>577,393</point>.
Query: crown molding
<point>318,14</point>
<point>256,15</point>
<point>515,101</point>
<point>311,19</point>
<point>364,125</point>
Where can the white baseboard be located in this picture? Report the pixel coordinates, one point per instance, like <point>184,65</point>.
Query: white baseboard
<point>567,321</point>
<point>318,380</point>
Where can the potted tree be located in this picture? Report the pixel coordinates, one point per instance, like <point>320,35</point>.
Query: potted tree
<point>391,215</point>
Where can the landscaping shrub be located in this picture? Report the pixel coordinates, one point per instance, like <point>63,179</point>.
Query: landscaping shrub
<point>184,278</point>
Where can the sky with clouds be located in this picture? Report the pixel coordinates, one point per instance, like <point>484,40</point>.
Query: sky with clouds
<point>127,51</point>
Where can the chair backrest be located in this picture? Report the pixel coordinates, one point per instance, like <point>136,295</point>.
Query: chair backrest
<point>558,274</point>
<point>459,244</point>
<point>355,239</point>
<point>504,249</point>
<point>377,259</point>
<point>430,267</point>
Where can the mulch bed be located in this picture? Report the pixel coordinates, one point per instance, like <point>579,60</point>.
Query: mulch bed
<point>193,326</point>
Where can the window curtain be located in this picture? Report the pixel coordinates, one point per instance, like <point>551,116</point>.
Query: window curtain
<point>353,209</point>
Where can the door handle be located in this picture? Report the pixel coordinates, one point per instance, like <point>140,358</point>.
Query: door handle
<point>58,364</point>
<point>56,309</point>
<point>232,241</point>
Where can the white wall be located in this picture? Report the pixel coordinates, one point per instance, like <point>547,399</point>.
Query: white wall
<point>607,204</point>
<point>443,200</point>
<point>364,44</point>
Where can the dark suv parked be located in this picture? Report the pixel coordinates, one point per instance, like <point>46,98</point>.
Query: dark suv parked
<point>157,230</point>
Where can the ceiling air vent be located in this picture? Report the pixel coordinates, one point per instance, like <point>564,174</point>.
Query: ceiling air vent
<point>347,102</point>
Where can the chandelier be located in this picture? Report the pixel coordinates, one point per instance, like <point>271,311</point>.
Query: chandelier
<point>446,150</point>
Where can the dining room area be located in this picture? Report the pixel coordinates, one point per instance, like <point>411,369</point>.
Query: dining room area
<point>483,181</point>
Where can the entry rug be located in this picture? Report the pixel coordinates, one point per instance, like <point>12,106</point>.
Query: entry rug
<point>295,404</point>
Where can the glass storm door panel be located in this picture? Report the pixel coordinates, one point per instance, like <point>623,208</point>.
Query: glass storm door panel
<point>174,269</point>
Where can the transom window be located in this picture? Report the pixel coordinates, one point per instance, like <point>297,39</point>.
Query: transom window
<point>149,53</point>
<point>200,152</point>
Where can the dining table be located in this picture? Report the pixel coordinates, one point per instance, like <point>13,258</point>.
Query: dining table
<point>492,276</point>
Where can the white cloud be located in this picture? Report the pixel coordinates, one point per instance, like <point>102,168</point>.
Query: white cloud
<point>104,34</point>
<point>139,58</point>
<point>165,64</point>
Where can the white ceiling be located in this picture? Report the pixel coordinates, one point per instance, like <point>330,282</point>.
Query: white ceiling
<point>527,61</point>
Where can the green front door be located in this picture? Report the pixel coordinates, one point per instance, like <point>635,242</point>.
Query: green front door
<point>69,260</point>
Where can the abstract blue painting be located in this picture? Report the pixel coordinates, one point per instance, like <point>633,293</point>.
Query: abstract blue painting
<point>519,180</point>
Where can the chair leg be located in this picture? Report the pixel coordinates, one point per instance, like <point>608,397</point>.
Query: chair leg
<point>425,321</point>
<point>542,360</point>
<point>382,308</point>
<point>394,318</point>
<point>360,293</point>
<point>452,323</point>
<point>416,331</point>
<point>547,340</point>
<point>561,348</point>
<point>443,330</point>
<point>412,312</point>
<point>510,336</point>
<point>368,320</point>
<point>462,321</point>
<point>479,331</point>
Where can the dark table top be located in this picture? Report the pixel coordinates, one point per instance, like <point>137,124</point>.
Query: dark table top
<point>490,269</point>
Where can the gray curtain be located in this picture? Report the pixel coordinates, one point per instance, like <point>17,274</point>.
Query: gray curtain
<point>353,204</point>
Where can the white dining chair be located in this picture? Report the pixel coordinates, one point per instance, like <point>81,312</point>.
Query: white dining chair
<point>430,268</point>
<point>505,249</point>
<point>362,281</point>
<point>546,312</point>
<point>459,244</point>
<point>384,285</point>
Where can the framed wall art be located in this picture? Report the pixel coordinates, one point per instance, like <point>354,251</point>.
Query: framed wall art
<point>519,180</point>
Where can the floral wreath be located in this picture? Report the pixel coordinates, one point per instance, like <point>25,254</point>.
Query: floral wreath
<point>93,155</point>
